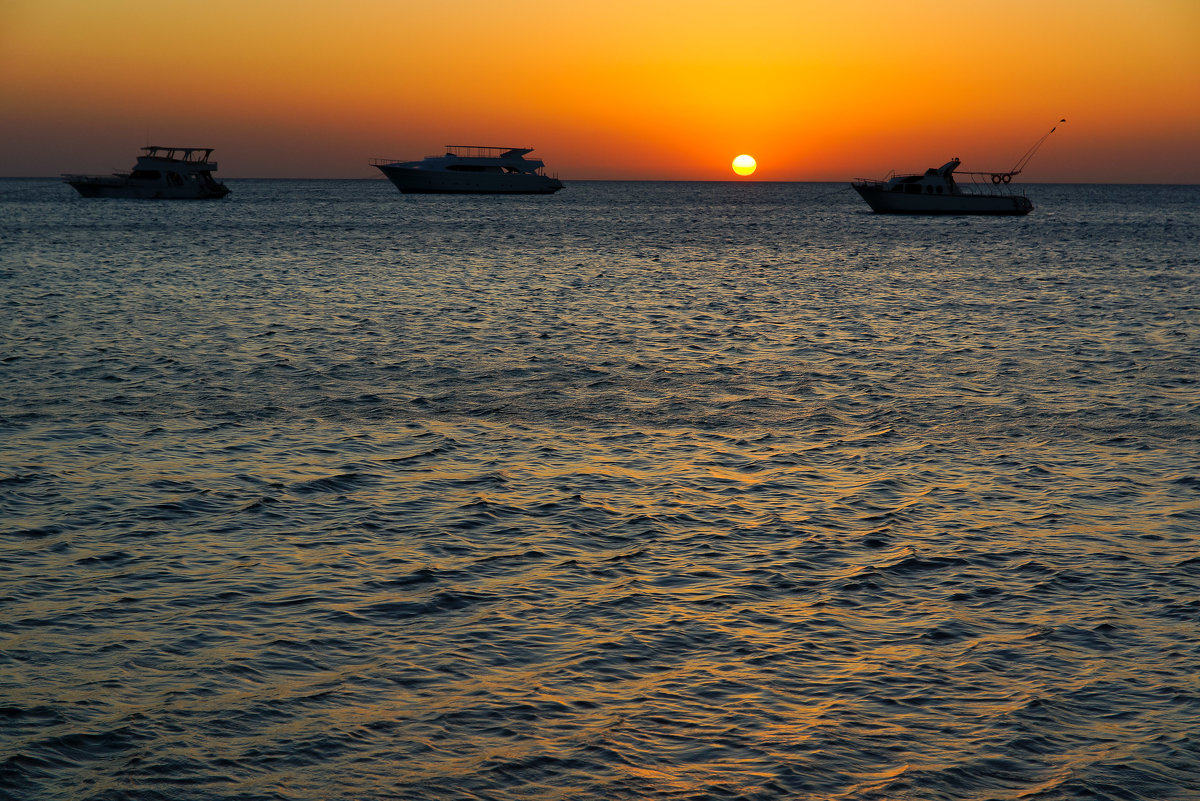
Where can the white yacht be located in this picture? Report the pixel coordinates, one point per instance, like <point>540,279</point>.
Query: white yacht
<point>937,192</point>
<point>472,169</point>
<point>179,173</point>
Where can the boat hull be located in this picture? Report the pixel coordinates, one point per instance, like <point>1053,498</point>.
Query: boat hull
<point>890,202</point>
<point>119,187</point>
<point>446,182</point>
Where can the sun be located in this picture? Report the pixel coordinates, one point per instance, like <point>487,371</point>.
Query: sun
<point>744,165</point>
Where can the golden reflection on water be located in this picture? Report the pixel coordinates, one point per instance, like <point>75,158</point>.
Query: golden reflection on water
<point>600,499</point>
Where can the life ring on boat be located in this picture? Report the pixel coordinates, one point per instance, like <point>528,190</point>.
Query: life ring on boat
<point>1007,177</point>
<point>996,178</point>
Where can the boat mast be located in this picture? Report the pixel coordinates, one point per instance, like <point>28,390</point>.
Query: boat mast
<point>1024,160</point>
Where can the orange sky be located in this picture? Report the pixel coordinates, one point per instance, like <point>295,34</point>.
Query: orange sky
<point>637,89</point>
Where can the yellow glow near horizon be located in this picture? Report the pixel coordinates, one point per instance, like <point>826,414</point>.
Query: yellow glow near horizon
<point>745,165</point>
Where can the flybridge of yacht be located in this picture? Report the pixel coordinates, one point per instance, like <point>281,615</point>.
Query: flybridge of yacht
<point>190,155</point>
<point>482,152</point>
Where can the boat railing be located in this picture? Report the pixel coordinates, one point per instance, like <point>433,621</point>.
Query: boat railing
<point>985,183</point>
<point>891,174</point>
<point>189,155</point>
<point>482,151</point>
<point>465,153</point>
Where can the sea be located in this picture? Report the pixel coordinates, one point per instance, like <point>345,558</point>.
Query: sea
<point>642,490</point>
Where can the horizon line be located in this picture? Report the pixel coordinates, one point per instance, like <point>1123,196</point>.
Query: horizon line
<point>649,180</point>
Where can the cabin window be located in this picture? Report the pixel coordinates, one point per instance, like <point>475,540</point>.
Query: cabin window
<point>939,190</point>
<point>144,175</point>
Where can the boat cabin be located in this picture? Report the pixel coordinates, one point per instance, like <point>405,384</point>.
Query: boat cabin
<point>939,181</point>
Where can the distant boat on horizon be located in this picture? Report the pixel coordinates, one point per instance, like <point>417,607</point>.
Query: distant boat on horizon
<point>936,191</point>
<point>471,169</point>
<point>161,173</point>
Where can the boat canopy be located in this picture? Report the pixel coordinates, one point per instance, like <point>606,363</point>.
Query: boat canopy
<point>179,153</point>
<point>481,151</point>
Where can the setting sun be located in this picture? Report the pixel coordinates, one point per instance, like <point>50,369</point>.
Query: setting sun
<point>744,165</point>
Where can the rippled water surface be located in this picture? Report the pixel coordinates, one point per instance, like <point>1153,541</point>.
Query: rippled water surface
<point>666,491</point>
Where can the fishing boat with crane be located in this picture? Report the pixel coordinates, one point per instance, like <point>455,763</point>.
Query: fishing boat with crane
<point>939,191</point>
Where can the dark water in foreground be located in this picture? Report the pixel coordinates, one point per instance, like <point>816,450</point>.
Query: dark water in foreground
<point>670,491</point>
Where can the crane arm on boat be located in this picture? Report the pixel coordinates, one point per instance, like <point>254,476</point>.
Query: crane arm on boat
<point>1006,177</point>
<point>1024,160</point>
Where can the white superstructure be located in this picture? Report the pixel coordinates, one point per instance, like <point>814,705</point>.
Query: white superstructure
<point>170,173</point>
<point>472,169</point>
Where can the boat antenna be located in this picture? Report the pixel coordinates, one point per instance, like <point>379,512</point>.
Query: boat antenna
<point>1029,153</point>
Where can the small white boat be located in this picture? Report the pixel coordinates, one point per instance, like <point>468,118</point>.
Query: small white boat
<point>167,173</point>
<point>936,191</point>
<point>472,169</point>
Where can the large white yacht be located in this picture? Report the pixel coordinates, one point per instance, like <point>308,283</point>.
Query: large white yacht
<point>472,169</point>
<point>937,192</point>
<point>179,173</point>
